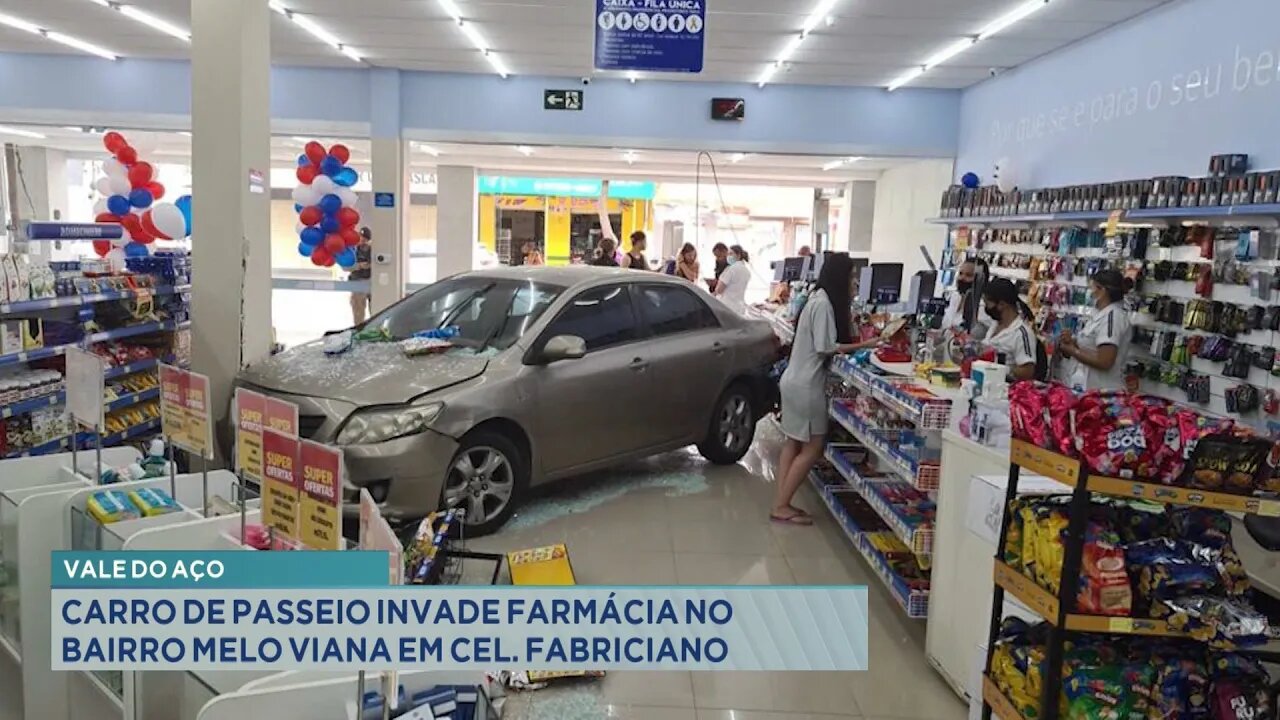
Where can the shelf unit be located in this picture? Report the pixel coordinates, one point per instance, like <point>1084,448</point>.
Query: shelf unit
<point>1059,610</point>
<point>1140,215</point>
<point>915,603</point>
<point>26,306</point>
<point>925,414</point>
<point>918,538</point>
<point>924,476</point>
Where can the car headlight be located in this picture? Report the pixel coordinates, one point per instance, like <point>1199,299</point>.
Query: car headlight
<point>375,426</point>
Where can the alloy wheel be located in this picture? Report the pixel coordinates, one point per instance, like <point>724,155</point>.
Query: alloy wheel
<point>480,484</point>
<point>735,423</point>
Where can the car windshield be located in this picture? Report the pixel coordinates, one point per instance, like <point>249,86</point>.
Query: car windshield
<point>488,312</point>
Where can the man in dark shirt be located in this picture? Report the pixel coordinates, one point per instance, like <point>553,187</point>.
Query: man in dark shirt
<point>362,270</point>
<point>721,253</point>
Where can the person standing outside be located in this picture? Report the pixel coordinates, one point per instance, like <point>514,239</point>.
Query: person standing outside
<point>687,264</point>
<point>362,271</point>
<point>605,254</point>
<point>825,328</point>
<point>531,255</point>
<point>635,259</point>
<point>731,288</point>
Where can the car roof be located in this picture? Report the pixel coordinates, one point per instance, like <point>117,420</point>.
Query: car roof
<point>571,276</point>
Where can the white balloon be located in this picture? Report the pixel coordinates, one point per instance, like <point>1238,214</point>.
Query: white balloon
<point>298,228</point>
<point>116,258</point>
<point>348,196</point>
<point>144,142</point>
<point>122,241</point>
<point>305,195</point>
<point>119,186</point>
<point>169,220</point>
<point>1006,179</point>
<point>100,207</point>
<point>103,185</point>
<point>114,168</point>
<point>323,185</point>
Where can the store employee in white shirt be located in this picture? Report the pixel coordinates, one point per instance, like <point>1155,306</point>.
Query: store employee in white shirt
<point>1098,354</point>
<point>1010,334</point>
<point>971,276</point>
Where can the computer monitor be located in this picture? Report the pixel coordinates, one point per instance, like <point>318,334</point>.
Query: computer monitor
<point>881,284</point>
<point>791,269</point>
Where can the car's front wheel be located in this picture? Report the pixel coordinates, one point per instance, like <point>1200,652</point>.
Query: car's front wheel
<point>486,481</point>
<point>733,427</point>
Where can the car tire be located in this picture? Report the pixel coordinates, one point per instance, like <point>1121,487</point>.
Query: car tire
<point>733,426</point>
<point>487,479</point>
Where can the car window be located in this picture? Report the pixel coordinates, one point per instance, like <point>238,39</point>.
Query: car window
<point>670,310</point>
<point>488,312</point>
<point>602,317</point>
<point>527,305</point>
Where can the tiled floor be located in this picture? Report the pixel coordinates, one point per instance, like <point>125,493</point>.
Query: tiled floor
<point>710,526</point>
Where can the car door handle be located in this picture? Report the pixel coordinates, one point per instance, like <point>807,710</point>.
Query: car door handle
<point>638,365</point>
<point>718,348</point>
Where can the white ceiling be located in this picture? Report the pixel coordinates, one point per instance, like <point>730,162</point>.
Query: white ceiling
<point>870,43</point>
<point>542,160</point>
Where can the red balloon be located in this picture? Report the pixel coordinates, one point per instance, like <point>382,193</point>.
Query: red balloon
<point>311,215</point>
<point>107,218</point>
<point>157,190</point>
<point>307,173</point>
<point>315,152</point>
<point>334,244</point>
<point>140,174</point>
<point>102,247</point>
<point>113,141</point>
<point>127,155</point>
<point>320,256</point>
<point>149,228</point>
<point>132,224</point>
<point>341,152</point>
<point>350,237</point>
<point>348,217</point>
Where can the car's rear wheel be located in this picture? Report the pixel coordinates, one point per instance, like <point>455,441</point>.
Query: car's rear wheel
<point>733,427</point>
<point>486,481</point>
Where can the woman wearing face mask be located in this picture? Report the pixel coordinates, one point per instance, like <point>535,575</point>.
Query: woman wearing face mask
<point>824,329</point>
<point>1010,334</point>
<point>731,288</point>
<point>1099,352</point>
<point>962,305</point>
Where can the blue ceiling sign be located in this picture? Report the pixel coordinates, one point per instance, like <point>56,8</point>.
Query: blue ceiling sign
<point>652,35</point>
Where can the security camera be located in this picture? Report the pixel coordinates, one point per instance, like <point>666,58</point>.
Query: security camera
<point>993,71</point>
<point>586,81</point>
<point>381,258</point>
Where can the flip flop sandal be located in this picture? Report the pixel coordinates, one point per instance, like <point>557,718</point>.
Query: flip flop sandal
<point>800,518</point>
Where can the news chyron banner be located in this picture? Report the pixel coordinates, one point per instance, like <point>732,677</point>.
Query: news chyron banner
<point>335,611</point>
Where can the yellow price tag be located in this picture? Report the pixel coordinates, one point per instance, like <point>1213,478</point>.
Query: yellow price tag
<point>1120,625</point>
<point>1269,508</point>
<point>1113,223</point>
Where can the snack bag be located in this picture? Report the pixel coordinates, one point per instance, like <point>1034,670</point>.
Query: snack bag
<point>1225,623</point>
<point>1238,700</point>
<point>1104,583</point>
<point>1191,428</point>
<point>1013,537</point>
<point>108,506</point>
<point>1181,690</point>
<point>1061,401</point>
<point>1027,403</point>
<point>1049,549</point>
<point>1111,436</point>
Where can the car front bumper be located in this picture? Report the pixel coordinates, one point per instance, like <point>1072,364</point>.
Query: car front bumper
<point>405,475</point>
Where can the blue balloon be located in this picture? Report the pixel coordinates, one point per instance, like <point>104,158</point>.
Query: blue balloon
<point>970,180</point>
<point>346,258</point>
<point>311,236</point>
<point>141,198</point>
<point>184,204</point>
<point>330,204</point>
<point>346,177</point>
<point>303,160</point>
<point>297,207</point>
<point>305,250</point>
<point>330,165</point>
<point>134,249</point>
<point>119,205</point>
<point>330,225</point>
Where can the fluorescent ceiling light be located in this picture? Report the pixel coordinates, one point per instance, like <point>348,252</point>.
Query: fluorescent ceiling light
<point>185,133</point>
<point>996,26</point>
<point>818,16</point>
<point>6,130</point>
<point>841,163</point>
<point>314,29</point>
<point>429,150</point>
<point>738,157</point>
<point>633,76</point>
<point>907,77</point>
<point>524,150</point>
<point>630,156</point>
<point>152,21</point>
<point>496,63</point>
<point>475,37</point>
<point>1018,14</point>
<point>57,37</point>
<point>450,8</point>
<point>948,52</point>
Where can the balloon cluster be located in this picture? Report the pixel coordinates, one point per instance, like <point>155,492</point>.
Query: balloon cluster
<point>131,200</point>
<point>326,206</point>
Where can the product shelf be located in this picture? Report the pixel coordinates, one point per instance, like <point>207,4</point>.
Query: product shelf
<point>30,405</point>
<point>25,306</point>
<point>1066,470</point>
<point>924,476</point>
<point>131,368</point>
<point>925,414</point>
<point>130,433</point>
<point>1043,603</point>
<point>131,331</point>
<point>44,449</point>
<point>919,538</point>
<point>36,354</point>
<point>1001,707</point>
<point>915,603</point>
<point>1180,214</point>
<point>125,401</point>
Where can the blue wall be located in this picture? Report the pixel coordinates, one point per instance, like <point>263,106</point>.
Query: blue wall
<point>780,118</point>
<point>1155,96</point>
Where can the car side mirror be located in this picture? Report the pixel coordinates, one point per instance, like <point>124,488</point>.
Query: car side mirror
<point>564,347</point>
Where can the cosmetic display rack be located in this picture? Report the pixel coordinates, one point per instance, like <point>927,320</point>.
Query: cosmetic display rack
<point>897,394</point>
<point>922,475</point>
<point>919,538</point>
<point>1234,213</point>
<point>914,602</point>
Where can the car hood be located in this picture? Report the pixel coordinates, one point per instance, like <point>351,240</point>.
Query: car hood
<point>367,374</point>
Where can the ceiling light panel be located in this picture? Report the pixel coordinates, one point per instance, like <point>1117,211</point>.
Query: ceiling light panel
<point>142,16</point>
<point>68,40</point>
<point>472,32</point>
<point>820,16</point>
<point>6,130</point>
<point>316,30</point>
<point>1019,13</point>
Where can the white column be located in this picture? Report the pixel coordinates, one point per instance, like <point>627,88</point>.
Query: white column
<point>41,193</point>
<point>821,223</point>
<point>858,218</point>
<point>457,220</point>
<point>231,165</point>
<point>390,225</point>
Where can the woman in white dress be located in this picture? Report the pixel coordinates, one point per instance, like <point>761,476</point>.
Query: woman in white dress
<point>731,288</point>
<point>824,329</point>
